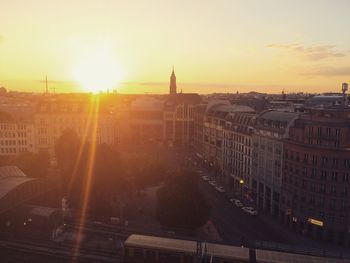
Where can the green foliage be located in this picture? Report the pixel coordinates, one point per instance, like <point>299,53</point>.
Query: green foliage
<point>147,170</point>
<point>181,204</point>
<point>67,148</point>
<point>90,171</point>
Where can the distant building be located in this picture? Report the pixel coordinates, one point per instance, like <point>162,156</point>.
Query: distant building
<point>324,101</point>
<point>146,119</point>
<point>179,118</point>
<point>91,122</point>
<point>15,136</point>
<point>3,91</point>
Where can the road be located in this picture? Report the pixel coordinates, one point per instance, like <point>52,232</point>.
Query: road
<point>233,224</point>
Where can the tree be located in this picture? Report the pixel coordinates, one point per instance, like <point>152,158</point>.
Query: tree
<point>104,182</point>
<point>181,204</point>
<point>67,148</point>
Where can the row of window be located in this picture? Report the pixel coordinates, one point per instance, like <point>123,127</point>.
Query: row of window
<point>12,150</point>
<point>322,161</point>
<point>10,127</point>
<point>12,142</point>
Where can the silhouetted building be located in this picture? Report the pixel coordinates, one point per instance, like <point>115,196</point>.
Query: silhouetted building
<point>146,119</point>
<point>172,87</point>
<point>179,118</point>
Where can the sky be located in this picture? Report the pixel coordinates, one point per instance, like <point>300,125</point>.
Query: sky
<point>215,46</point>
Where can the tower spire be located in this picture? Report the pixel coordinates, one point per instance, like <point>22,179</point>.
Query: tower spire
<point>172,87</point>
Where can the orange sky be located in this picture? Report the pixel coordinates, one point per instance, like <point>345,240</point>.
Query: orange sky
<point>216,46</point>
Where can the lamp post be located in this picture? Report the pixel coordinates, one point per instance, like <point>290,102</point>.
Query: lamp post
<point>241,182</point>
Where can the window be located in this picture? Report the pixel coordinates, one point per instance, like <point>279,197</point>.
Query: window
<point>305,172</point>
<point>342,204</point>
<point>322,188</point>
<point>334,176</point>
<point>332,203</point>
<point>323,175</point>
<point>337,133</point>
<point>335,163</point>
<point>313,172</point>
<point>345,177</point>
<point>333,190</point>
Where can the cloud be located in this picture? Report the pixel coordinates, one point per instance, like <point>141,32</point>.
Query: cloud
<point>329,71</point>
<point>310,53</point>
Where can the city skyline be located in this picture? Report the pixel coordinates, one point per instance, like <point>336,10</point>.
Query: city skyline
<point>216,47</point>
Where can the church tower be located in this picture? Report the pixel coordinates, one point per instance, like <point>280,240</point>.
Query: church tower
<point>172,87</point>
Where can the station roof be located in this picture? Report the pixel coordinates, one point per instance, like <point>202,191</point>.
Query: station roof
<point>276,257</point>
<point>16,188</point>
<point>10,178</point>
<point>161,243</point>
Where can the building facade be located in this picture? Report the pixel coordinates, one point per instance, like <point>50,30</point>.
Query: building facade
<point>215,123</point>
<point>16,138</point>
<point>238,150</point>
<point>316,183</point>
<point>90,122</point>
<point>270,129</point>
<point>179,119</point>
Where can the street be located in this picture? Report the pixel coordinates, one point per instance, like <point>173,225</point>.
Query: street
<point>233,223</point>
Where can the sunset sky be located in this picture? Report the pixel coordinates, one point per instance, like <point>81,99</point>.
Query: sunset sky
<point>216,46</point>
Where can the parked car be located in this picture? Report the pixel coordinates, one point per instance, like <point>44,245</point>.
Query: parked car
<point>250,210</point>
<point>238,203</point>
<point>220,189</point>
<point>205,178</point>
<point>213,183</point>
<point>233,200</point>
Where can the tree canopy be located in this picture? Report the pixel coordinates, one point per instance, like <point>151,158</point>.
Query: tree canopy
<point>181,204</point>
<point>97,170</point>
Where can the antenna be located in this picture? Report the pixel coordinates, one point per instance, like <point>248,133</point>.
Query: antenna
<point>47,89</point>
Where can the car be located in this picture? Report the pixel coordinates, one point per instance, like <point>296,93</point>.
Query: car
<point>220,189</point>
<point>250,210</point>
<point>238,203</point>
<point>205,178</point>
<point>233,200</point>
<point>213,183</point>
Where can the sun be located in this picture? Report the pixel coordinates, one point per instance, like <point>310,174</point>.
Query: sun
<point>97,70</point>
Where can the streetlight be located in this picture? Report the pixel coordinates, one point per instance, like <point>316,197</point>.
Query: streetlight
<point>241,182</point>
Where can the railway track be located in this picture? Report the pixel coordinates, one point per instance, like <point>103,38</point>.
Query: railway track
<point>10,247</point>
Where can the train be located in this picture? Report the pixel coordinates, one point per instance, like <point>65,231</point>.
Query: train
<point>152,249</point>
